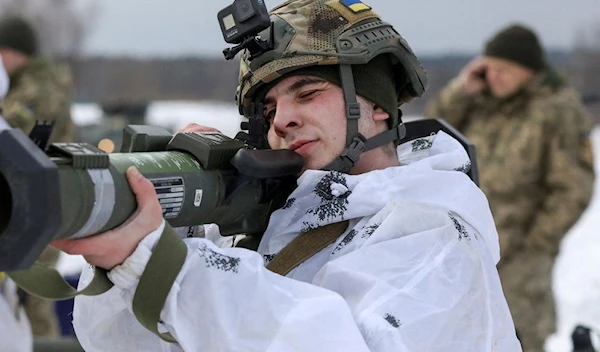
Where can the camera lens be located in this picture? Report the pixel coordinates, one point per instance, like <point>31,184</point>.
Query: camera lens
<point>244,10</point>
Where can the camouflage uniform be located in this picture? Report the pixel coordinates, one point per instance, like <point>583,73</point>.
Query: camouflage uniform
<point>41,91</point>
<point>536,167</point>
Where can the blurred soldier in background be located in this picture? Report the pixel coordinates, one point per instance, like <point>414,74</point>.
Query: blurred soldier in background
<point>535,162</point>
<point>39,90</point>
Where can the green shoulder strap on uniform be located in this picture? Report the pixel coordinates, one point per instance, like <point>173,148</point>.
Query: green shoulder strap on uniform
<point>305,246</point>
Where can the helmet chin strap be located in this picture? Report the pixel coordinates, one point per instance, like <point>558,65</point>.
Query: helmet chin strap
<point>356,143</point>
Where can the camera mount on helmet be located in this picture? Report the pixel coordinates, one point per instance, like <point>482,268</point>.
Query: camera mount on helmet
<point>255,45</point>
<point>240,24</point>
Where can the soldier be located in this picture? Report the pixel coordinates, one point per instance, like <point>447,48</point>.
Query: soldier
<point>39,90</point>
<point>535,163</point>
<point>413,269</point>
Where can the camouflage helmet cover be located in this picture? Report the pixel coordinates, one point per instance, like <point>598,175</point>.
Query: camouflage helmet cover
<point>327,32</point>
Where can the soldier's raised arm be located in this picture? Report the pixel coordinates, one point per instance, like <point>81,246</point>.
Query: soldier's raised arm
<point>454,101</point>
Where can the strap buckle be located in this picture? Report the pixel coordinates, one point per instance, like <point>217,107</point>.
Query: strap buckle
<point>353,111</point>
<point>354,150</point>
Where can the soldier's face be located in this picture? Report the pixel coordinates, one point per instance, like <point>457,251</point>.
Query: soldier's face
<point>307,115</point>
<point>505,77</point>
<point>13,60</point>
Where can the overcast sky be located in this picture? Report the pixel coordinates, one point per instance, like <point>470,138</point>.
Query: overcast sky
<point>190,27</point>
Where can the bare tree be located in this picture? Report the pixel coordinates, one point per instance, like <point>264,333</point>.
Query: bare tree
<point>62,25</point>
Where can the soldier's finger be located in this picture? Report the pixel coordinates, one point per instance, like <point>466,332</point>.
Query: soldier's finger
<point>149,210</point>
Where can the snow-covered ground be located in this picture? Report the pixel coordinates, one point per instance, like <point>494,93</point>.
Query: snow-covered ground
<point>577,270</point>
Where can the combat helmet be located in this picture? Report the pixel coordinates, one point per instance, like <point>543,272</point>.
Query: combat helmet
<point>332,32</point>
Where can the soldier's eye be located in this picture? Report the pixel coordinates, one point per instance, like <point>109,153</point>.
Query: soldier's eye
<point>269,115</point>
<point>308,94</point>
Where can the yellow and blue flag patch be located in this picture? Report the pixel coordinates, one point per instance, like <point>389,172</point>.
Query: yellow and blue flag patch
<point>355,6</point>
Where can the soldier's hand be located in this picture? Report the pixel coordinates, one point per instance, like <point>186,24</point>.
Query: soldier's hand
<point>111,248</point>
<point>472,76</point>
<point>194,127</point>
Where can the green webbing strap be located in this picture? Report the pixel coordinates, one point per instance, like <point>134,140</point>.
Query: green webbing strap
<point>305,246</point>
<point>43,281</point>
<point>156,281</point>
<point>162,269</point>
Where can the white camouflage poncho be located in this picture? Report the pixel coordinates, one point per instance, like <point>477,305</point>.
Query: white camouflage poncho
<point>415,271</point>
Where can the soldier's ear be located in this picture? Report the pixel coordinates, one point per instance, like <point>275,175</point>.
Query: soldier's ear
<point>379,114</point>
